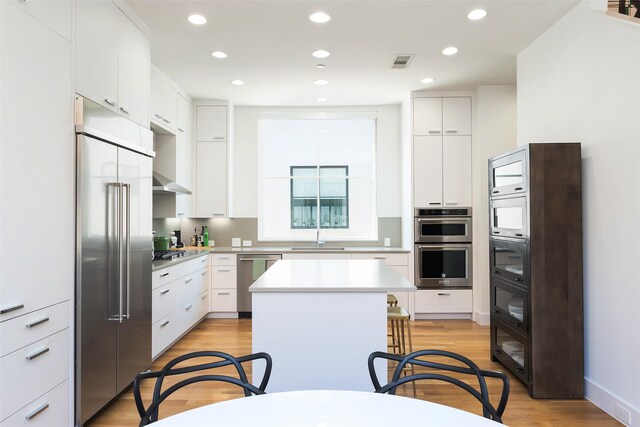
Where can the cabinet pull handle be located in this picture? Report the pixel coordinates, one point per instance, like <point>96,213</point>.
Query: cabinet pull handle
<point>158,116</point>
<point>379,257</point>
<point>496,311</point>
<point>451,131</point>
<point>165,120</point>
<point>517,189</point>
<point>518,279</point>
<point>40,409</point>
<point>435,203</point>
<point>452,203</point>
<point>224,293</point>
<point>203,260</point>
<point>165,292</point>
<point>518,324</point>
<point>223,270</point>
<point>110,102</point>
<point>433,131</point>
<point>204,273</point>
<point>37,354</point>
<point>497,352</point>
<point>519,234</point>
<point>218,137</point>
<point>444,293</point>
<point>187,308</point>
<point>124,110</point>
<point>164,274</point>
<point>181,130</point>
<point>217,214</point>
<point>520,370</point>
<point>223,257</point>
<point>203,296</point>
<point>10,309</point>
<point>188,280</point>
<point>180,213</point>
<point>496,191</point>
<point>496,232</point>
<point>37,322</point>
<point>164,324</point>
<point>496,271</point>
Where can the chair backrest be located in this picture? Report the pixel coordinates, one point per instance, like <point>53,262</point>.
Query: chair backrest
<point>149,414</point>
<point>417,358</point>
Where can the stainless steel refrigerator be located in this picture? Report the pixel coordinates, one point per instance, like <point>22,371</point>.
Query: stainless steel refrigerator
<point>113,255</point>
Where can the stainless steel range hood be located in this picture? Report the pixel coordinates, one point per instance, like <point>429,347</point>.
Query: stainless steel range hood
<point>163,185</point>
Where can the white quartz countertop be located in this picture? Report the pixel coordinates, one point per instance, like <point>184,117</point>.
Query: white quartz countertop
<point>331,276</point>
<point>301,249</point>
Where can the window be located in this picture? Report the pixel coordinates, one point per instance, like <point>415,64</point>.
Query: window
<point>332,197</point>
<point>316,173</point>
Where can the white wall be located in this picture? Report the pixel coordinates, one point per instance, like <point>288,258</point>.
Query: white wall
<point>244,169</point>
<point>579,82</point>
<point>494,132</point>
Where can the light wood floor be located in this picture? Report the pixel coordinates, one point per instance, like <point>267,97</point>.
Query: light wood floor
<point>465,337</point>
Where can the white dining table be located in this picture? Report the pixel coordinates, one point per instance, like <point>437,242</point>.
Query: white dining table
<point>324,408</point>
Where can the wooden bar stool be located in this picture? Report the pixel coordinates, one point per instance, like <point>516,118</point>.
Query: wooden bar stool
<point>392,301</point>
<point>399,318</point>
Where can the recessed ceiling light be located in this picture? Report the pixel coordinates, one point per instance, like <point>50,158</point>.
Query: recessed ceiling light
<point>320,66</point>
<point>197,19</point>
<point>320,17</point>
<point>476,14</point>
<point>428,80</point>
<point>322,99</point>
<point>320,82</point>
<point>237,82</point>
<point>320,53</point>
<point>451,50</point>
<point>219,54</point>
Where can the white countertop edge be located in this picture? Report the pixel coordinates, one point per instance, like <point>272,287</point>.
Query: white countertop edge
<point>331,290</point>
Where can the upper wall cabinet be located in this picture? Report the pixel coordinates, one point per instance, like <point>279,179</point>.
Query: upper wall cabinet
<point>185,116</point>
<point>211,123</point>
<point>56,15</point>
<point>112,60</point>
<point>442,116</point>
<point>164,101</point>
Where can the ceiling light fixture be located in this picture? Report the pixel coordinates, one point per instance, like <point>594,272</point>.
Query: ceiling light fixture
<point>321,82</point>
<point>320,17</point>
<point>476,14</point>
<point>320,66</point>
<point>320,53</point>
<point>197,19</point>
<point>428,80</point>
<point>237,82</point>
<point>322,99</point>
<point>219,54</point>
<point>451,50</point>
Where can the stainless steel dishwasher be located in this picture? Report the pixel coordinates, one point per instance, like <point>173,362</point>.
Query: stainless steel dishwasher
<point>246,278</point>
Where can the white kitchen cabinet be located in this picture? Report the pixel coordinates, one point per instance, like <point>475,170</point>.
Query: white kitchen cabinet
<point>112,60</point>
<point>97,26</point>
<point>316,255</point>
<point>444,301</point>
<point>211,123</point>
<point>174,161</point>
<point>456,171</point>
<point>211,179</point>
<point>164,100</point>
<point>184,116</point>
<point>133,72</point>
<point>224,300</point>
<point>427,171</point>
<point>456,116</point>
<point>50,409</point>
<point>427,116</point>
<point>54,14</point>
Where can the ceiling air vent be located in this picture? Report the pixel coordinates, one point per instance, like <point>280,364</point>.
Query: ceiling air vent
<point>402,61</point>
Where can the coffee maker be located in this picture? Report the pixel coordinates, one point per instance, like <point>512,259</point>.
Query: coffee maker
<point>179,237</point>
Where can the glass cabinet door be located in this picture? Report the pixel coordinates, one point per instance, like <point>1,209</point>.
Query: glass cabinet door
<point>509,260</point>
<point>508,174</point>
<point>510,303</point>
<point>509,217</point>
<point>511,349</point>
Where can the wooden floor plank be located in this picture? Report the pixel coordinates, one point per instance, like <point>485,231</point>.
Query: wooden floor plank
<point>460,336</point>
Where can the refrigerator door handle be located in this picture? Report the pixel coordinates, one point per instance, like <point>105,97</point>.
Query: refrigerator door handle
<point>127,241</point>
<point>117,220</point>
<point>120,261</point>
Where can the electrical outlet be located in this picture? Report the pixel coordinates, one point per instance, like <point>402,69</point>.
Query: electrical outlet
<point>246,243</point>
<point>235,242</point>
<point>623,414</point>
<point>387,241</point>
<point>212,243</point>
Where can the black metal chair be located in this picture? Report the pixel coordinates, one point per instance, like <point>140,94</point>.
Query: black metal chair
<point>488,410</point>
<point>149,414</point>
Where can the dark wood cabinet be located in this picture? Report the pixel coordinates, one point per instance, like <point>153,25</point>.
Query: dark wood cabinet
<point>537,327</point>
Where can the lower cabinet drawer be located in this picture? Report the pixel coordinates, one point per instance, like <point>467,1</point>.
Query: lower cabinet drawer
<point>32,371</point>
<point>20,331</point>
<point>388,258</point>
<point>203,305</point>
<point>224,300</point>
<point>443,301</point>
<point>164,332</point>
<point>50,410</point>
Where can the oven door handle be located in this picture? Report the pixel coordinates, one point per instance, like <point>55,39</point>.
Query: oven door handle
<point>449,246</point>
<point>455,219</point>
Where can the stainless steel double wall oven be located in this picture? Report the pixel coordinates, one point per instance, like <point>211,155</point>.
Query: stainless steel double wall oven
<point>443,252</point>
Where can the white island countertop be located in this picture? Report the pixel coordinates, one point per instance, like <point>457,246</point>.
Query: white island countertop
<point>331,276</point>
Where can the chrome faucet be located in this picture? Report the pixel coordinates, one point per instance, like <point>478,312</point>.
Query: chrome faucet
<point>319,243</point>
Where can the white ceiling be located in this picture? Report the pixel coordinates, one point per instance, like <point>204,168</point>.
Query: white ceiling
<point>269,44</point>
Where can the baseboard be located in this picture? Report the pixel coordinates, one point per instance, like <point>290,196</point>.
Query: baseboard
<point>443,316</point>
<point>222,316</point>
<point>611,404</point>
<point>481,318</point>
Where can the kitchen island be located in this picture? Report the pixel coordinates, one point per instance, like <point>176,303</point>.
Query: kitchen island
<point>320,319</point>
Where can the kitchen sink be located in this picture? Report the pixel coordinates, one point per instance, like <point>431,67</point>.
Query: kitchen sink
<point>313,248</point>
